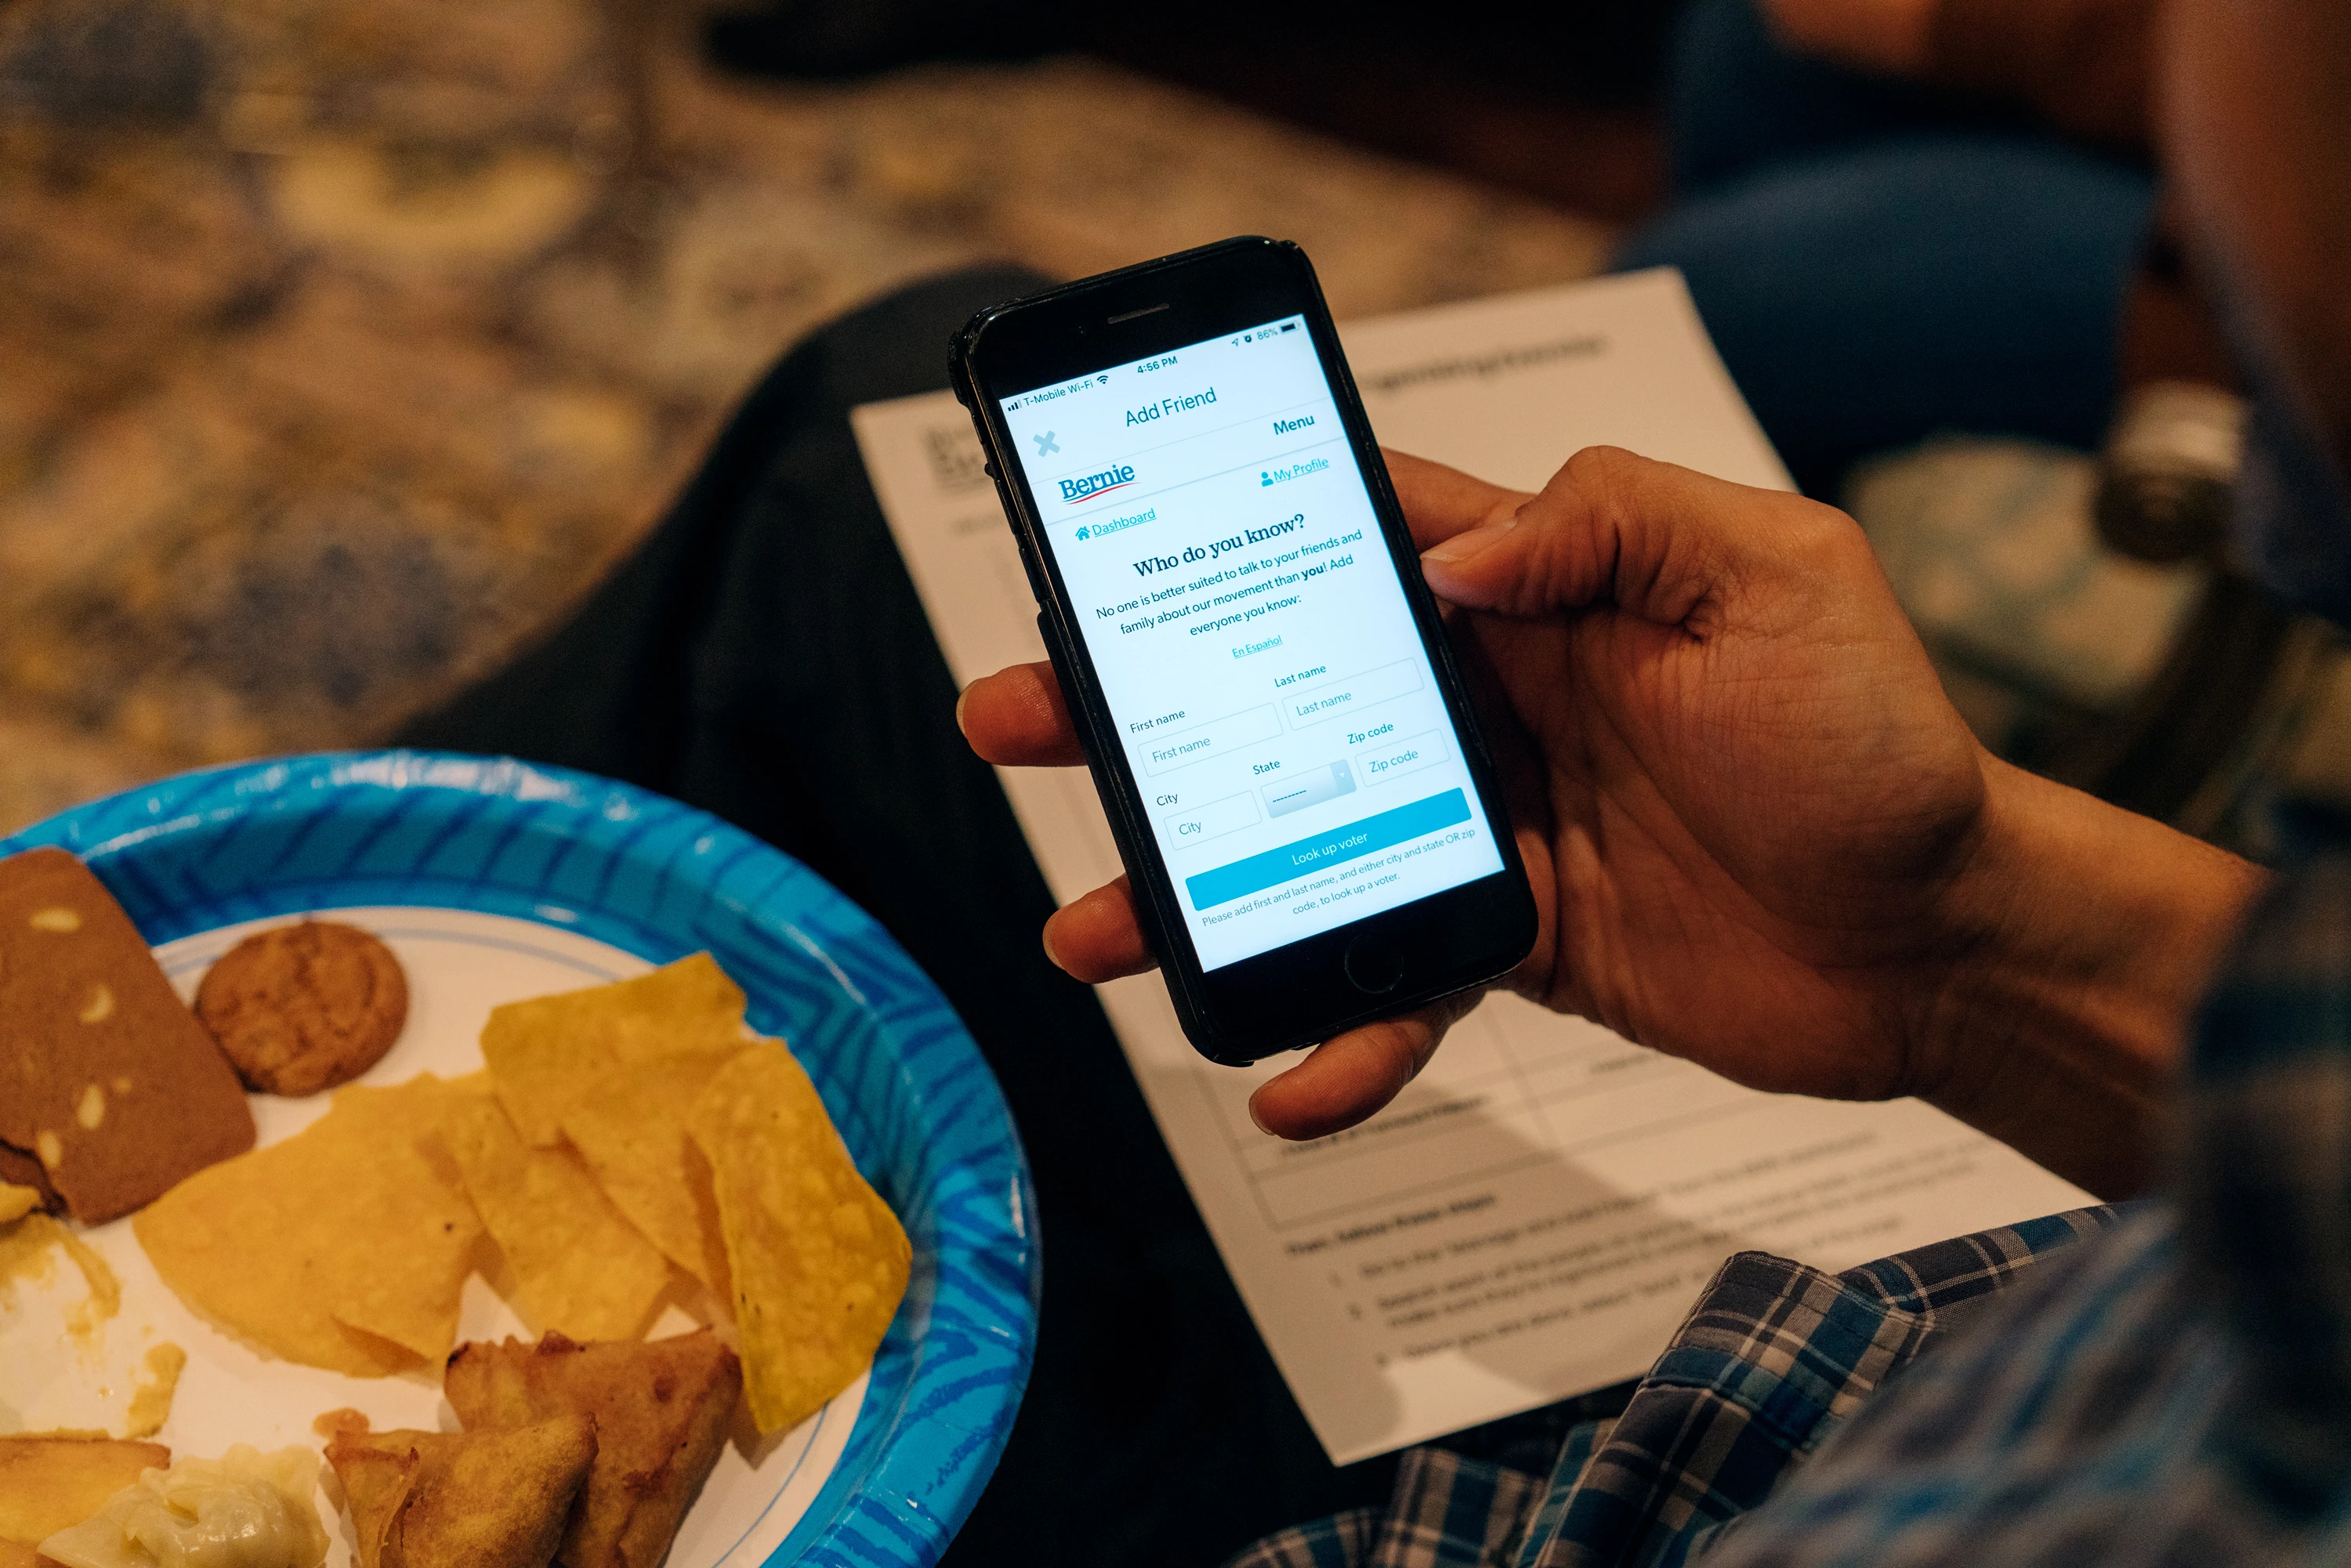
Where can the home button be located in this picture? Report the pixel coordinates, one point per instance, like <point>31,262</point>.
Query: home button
<point>1372,965</point>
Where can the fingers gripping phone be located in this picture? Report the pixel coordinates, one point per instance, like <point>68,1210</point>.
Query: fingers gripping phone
<point>1258,674</point>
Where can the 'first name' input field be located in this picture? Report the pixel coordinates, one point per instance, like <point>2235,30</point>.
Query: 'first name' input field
<point>1219,736</point>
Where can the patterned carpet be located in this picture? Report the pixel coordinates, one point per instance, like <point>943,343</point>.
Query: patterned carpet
<point>347,343</point>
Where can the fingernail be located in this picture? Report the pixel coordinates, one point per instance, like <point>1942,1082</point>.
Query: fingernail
<point>961,698</point>
<point>1476,542</point>
<point>1257,1119</point>
<point>1046,937</point>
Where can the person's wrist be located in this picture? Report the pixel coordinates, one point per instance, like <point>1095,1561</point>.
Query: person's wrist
<point>2078,939</point>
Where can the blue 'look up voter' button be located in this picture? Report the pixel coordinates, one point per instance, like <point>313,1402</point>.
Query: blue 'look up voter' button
<point>1271,868</point>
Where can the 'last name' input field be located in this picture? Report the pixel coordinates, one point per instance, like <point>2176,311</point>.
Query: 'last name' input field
<point>1332,698</point>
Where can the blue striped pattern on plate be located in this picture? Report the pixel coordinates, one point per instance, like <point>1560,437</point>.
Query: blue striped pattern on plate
<point>914,1100</point>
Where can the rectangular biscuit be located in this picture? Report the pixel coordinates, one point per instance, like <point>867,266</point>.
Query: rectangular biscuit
<point>106,1077</point>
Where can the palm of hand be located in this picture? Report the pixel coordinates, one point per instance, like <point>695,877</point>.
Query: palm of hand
<point>1739,825</point>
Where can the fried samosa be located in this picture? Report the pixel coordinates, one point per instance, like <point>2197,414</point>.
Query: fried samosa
<point>661,1411</point>
<point>462,1499</point>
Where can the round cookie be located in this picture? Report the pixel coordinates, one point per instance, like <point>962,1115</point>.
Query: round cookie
<point>299,1009</point>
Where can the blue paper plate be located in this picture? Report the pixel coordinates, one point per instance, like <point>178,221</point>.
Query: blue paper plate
<point>916,1105</point>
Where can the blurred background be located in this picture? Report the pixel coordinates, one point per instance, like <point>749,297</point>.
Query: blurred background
<point>344,343</point>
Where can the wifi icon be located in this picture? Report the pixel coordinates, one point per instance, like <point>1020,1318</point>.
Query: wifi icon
<point>1104,378</point>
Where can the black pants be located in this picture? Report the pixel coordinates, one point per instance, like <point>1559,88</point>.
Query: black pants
<point>763,656</point>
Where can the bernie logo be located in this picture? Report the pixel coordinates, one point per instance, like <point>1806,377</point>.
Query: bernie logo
<point>1092,485</point>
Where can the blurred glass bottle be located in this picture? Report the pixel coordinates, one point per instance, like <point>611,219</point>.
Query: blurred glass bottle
<point>2169,471</point>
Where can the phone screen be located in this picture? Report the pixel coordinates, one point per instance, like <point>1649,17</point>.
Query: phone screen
<point>1262,664</point>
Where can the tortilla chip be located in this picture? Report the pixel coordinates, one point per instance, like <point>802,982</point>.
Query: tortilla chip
<point>817,1259</point>
<point>631,1124</point>
<point>661,1410</point>
<point>542,1050</point>
<point>344,1247</point>
<point>579,1267</point>
<point>48,1484</point>
<point>462,1499</point>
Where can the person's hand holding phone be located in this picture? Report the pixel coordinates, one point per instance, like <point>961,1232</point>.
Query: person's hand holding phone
<point>1758,834</point>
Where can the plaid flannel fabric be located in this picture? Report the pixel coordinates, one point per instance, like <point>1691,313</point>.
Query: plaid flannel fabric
<point>2177,1390</point>
<point>1773,1357</point>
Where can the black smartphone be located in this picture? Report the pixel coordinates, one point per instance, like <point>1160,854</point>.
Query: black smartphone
<point>1259,676</point>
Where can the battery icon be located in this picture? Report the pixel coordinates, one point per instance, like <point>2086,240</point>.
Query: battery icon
<point>1289,326</point>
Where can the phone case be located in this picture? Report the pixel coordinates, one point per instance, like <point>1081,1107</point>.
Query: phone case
<point>1124,808</point>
